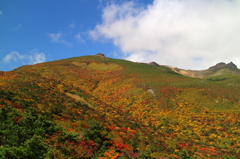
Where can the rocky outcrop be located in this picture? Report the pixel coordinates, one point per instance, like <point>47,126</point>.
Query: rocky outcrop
<point>217,67</point>
<point>222,65</point>
<point>153,64</point>
<point>231,65</point>
<point>100,55</point>
<point>150,90</point>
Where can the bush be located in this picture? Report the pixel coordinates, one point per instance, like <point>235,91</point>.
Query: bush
<point>22,135</point>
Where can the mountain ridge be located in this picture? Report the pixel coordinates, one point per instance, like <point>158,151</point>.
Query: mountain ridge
<point>210,72</point>
<point>202,73</point>
<point>99,107</point>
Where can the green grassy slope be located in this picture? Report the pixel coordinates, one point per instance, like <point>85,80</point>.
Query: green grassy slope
<point>96,107</point>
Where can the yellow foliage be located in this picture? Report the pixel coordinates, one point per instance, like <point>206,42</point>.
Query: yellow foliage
<point>99,66</point>
<point>111,154</point>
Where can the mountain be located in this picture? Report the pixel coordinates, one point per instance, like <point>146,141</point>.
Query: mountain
<point>219,69</point>
<point>99,107</point>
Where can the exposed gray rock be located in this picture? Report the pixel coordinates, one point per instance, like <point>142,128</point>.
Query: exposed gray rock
<point>222,65</point>
<point>218,66</point>
<point>150,90</point>
<point>153,64</point>
<point>100,55</point>
<point>231,65</point>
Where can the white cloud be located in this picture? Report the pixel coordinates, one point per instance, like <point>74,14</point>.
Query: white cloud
<point>187,34</point>
<point>15,56</point>
<point>58,38</point>
<point>0,12</point>
<point>36,57</point>
<point>33,58</point>
<point>78,37</point>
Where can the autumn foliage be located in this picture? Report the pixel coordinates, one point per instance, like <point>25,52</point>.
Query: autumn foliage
<point>92,107</point>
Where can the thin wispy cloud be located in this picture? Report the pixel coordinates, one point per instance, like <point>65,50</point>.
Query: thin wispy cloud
<point>187,34</point>
<point>72,25</point>
<point>78,37</point>
<point>17,27</point>
<point>32,58</point>
<point>1,13</point>
<point>58,38</point>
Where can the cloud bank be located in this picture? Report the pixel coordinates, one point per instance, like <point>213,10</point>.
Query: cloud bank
<point>190,34</point>
<point>33,58</point>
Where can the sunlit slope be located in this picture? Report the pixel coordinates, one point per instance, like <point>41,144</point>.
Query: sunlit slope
<point>109,79</point>
<point>109,107</point>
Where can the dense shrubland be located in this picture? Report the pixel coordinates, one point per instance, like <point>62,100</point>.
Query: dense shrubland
<point>91,107</point>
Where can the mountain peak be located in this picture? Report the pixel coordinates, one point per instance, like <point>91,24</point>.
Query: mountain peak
<point>100,55</point>
<point>218,66</point>
<point>232,65</point>
<point>222,65</point>
<point>153,64</point>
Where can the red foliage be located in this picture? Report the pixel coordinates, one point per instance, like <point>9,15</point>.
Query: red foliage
<point>16,119</point>
<point>182,144</point>
<point>75,125</point>
<point>123,129</point>
<point>17,106</point>
<point>122,146</point>
<point>85,126</point>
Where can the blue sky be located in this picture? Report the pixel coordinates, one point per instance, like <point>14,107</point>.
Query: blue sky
<point>186,34</point>
<point>52,29</point>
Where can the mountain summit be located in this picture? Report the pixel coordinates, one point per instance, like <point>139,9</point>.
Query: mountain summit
<point>231,64</point>
<point>223,65</point>
<point>100,55</point>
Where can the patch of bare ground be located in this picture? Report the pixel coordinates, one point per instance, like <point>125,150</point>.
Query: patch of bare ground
<point>78,99</point>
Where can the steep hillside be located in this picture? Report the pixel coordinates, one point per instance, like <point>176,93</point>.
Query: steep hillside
<point>98,107</point>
